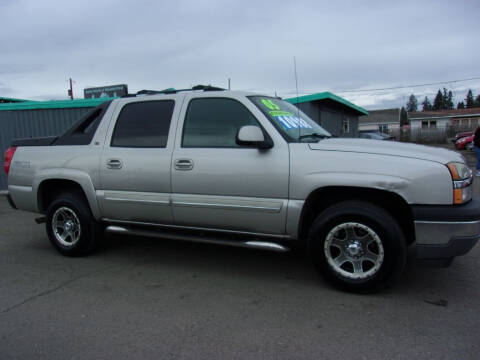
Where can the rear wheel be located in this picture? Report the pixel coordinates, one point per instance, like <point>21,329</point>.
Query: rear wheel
<point>71,227</point>
<point>358,246</point>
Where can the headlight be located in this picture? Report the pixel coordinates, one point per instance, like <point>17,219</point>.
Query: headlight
<point>462,178</point>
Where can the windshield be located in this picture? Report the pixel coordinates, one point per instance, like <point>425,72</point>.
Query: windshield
<point>292,123</point>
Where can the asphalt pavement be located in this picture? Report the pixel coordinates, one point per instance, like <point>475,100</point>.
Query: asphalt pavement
<point>143,298</point>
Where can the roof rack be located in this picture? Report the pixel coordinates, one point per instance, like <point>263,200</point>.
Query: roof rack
<point>175,91</point>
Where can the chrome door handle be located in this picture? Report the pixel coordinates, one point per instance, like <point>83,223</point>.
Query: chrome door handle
<point>114,164</point>
<point>183,164</point>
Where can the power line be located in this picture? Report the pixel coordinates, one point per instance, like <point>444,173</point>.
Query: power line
<point>397,87</point>
<point>411,86</point>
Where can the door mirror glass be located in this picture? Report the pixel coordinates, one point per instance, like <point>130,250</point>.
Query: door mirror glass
<point>250,135</point>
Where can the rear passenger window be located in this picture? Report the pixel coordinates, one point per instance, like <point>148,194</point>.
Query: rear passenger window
<point>144,124</point>
<point>214,122</point>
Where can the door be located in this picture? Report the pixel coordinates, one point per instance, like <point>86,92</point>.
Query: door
<point>135,165</point>
<point>218,184</point>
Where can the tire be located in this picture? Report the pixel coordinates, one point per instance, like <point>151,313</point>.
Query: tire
<point>469,146</point>
<point>357,246</point>
<point>83,234</point>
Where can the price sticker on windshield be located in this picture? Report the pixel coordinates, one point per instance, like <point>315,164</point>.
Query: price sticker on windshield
<point>292,122</point>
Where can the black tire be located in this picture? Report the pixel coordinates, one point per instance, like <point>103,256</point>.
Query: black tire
<point>388,247</point>
<point>89,234</point>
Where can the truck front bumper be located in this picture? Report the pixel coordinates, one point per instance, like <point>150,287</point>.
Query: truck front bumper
<point>446,231</point>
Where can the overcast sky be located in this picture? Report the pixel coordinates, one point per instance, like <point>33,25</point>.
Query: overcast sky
<point>338,45</point>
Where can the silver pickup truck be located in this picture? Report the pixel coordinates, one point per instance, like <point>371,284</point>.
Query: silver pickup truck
<point>246,170</point>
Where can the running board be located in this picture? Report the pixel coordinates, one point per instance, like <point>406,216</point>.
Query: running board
<point>41,220</point>
<point>265,245</point>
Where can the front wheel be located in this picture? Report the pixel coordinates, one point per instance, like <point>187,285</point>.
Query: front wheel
<point>358,246</point>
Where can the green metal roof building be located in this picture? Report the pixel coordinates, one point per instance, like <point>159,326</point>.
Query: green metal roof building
<point>10,100</point>
<point>334,113</point>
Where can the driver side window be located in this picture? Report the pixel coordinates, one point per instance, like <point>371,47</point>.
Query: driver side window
<point>214,122</point>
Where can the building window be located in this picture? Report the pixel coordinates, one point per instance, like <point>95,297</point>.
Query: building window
<point>383,128</point>
<point>345,126</point>
<point>433,124</point>
<point>424,124</point>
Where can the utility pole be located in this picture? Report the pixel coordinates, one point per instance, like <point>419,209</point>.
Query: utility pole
<point>228,83</point>
<point>70,91</point>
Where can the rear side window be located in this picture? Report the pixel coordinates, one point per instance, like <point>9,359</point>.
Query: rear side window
<point>214,122</point>
<point>144,124</point>
<point>82,132</point>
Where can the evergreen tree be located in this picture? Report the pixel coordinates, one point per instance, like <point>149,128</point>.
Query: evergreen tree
<point>449,101</point>
<point>469,101</point>
<point>412,104</point>
<point>445,99</point>
<point>427,105</point>
<point>403,117</point>
<point>477,101</point>
<point>438,101</point>
<point>461,105</point>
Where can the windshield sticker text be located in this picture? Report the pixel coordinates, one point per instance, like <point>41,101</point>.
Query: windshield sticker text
<point>292,122</point>
<point>279,113</point>
<point>270,104</point>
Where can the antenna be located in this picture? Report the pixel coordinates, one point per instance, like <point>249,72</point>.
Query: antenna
<point>296,87</point>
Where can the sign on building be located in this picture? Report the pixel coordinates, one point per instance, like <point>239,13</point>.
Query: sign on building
<point>105,91</point>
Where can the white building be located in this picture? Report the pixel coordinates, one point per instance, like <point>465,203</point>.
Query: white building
<point>462,118</point>
<point>384,120</point>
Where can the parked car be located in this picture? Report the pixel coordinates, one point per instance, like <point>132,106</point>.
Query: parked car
<point>248,170</point>
<point>461,135</point>
<point>375,135</point>
<point>464,143</point>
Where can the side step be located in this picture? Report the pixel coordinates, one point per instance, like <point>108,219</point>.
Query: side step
<point>41,220</point>
<point>265,245</point>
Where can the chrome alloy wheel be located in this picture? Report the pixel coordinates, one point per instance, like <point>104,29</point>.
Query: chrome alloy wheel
<point>66,226</point>
<point>354,250</point>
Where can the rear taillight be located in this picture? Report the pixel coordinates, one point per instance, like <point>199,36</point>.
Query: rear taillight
<point>8,158</point>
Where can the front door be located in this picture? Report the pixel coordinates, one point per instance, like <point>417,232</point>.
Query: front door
<point>220,185</point>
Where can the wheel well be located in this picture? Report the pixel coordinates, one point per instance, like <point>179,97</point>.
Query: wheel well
<point>322,198</point>
<point>48,190</point>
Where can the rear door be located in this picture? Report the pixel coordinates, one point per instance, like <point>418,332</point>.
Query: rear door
<point>135,165</point>
<point>218,184</point>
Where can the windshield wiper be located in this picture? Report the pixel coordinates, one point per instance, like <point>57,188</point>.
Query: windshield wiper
<point>317,135</point>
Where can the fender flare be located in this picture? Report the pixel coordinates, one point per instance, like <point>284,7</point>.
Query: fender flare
<point>80,177</point>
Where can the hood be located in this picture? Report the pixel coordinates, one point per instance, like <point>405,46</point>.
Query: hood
<point>391,148</point>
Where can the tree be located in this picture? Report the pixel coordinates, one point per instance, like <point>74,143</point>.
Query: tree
<point>477,101</point>
<point>445,99</point>
<point>449,101</point>
<point>412,104</point>
<point>461,105</point>
<point>427,105</point>
<point>403,117</point>
<point>438,103</point>
<point>469,101</point>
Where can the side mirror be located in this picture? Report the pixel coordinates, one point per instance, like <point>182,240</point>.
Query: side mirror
<point>250,135</point>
